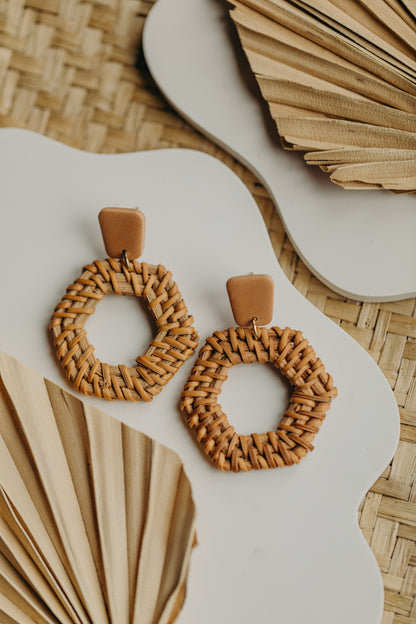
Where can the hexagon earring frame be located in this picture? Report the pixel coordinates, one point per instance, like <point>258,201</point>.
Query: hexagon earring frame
<point>175,340</point>
<point>291,354</point>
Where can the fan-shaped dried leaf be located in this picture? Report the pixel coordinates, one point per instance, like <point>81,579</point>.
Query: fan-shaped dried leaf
<point>340,80</point>
<point>96,519</point>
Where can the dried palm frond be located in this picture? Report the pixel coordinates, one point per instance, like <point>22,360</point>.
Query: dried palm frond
<point>339,77</point>
<point>96,519</point>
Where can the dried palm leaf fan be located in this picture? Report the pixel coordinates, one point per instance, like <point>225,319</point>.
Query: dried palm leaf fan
<point>340,80</point>
<point>96,519</point>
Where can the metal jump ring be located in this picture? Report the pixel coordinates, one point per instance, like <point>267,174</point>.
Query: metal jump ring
<point>125,260</point>
<point>254,326</point>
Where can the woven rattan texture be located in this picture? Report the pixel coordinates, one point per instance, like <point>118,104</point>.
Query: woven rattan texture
<point>293,356</point>
<point>69,69</point>
<point>174,342</point>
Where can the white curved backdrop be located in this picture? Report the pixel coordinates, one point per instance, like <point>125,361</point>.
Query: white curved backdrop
<point>360,244</point>
<point>279,545</point>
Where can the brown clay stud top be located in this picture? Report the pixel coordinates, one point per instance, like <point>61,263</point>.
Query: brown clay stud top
<point>122,229</point>
<point>251,296</point>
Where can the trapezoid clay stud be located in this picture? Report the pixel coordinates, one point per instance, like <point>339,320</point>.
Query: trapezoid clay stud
<point>175,340</point>
<point>251,298</point>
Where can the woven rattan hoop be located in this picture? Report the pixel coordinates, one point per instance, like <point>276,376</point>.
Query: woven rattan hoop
<point>293,356</point>
<point>175,340</point>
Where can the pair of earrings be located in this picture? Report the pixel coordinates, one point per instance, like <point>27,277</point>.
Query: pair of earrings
<point>251,299</point>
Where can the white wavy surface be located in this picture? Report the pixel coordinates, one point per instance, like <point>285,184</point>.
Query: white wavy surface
<point>359,243</point>
<point>281,545</point>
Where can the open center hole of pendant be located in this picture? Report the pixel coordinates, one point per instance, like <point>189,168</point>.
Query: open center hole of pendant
<point>254,397</point>
<point>120,329</point>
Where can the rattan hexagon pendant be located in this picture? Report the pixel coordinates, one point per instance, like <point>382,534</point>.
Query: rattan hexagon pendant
<point>175,339</point>
<point>340,82</point>
<point>289,352</point>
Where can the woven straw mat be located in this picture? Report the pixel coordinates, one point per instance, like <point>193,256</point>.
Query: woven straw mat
<point>71,70</point>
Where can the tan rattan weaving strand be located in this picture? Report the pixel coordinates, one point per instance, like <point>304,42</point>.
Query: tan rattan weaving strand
<point>293,356</point>
<point>175,341</point>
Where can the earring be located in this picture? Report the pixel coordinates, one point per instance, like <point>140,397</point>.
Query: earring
<point>251,298</point>
<point>175,340</point>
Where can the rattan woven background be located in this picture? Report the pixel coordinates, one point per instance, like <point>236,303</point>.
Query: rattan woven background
<point>70,69</point>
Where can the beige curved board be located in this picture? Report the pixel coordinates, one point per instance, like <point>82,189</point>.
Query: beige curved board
<point>359,243</point>
<point>281,544</point>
